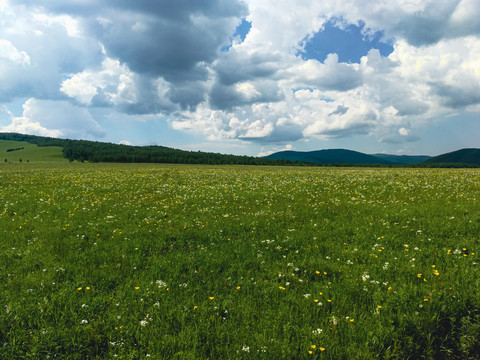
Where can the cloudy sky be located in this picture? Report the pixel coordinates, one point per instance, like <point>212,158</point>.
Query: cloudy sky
<point>245,77</point>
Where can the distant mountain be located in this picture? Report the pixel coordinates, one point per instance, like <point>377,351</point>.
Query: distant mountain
<point>404,159</point>
<point>463,156</point>
<point>331,156</point>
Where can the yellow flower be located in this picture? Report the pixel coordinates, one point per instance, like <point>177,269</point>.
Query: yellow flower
<point>316,300</point>
<point>419,275</point>
<point>322,349</point>
<point>87,288</point>
<point>317,272</point>
<point>137,287</point>
<point>352,320</point>
<point>195,307</point>
<point>313,346</point>
<point>310,352</point>
<point>212,297</point>
<point>281,288</point>
<point>238,287</point>
<point>324,273</point>
<point>79,288</point>
<point>329,300</point>
<point>425,299</point>
<point>379,306</point>
<point>389,288</point>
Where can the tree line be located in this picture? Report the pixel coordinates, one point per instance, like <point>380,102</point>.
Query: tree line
<point>93,151</point>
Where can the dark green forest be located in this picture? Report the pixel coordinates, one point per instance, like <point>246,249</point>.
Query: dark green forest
<point>93,151</point>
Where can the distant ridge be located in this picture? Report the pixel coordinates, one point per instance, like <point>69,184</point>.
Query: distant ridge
<point>463,156</point>
<point>404,159</point>
<point>343,156</point>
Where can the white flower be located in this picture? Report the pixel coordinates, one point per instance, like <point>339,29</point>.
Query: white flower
<point>246,348</point>
<point>317,331</point>
<point>161,283</point>
<point>84,322</point>
<point>365,277</point>
<point>143,322</point>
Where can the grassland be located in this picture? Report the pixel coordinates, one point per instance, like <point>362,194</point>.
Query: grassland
<point>179,262</point>
<point>21,151</point>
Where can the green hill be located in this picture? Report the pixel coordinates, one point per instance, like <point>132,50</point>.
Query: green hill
<point>45,149</point>
<point>403,159</point>
<point>332,156</point>
<point>463,156</point>
<point>22,151</point>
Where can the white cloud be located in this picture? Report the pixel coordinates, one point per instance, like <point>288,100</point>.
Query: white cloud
<point>11,53</point>
<point>55,119</point>
<point>167,60</point>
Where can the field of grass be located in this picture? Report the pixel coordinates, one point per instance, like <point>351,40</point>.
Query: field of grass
<point>21,151</point>
<point>182,262</point>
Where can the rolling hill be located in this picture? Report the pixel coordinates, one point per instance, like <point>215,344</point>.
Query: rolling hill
<point>22,151</point>
<point>333,156</point>
<point>463,156</point>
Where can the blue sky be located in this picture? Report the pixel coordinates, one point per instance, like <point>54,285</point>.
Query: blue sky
<point>245,77</point>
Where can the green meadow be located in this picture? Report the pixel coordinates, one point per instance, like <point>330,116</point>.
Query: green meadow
<point>21,151</point>
<point>102,261</point>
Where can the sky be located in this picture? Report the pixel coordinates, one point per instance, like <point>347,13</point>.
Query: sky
<point>245,77</point>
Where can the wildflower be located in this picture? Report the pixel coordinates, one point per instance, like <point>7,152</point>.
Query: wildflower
<point>310,352</point>
<point>238,287</point>
<point>317,272</point>
<point>315,300</point>
<point>137,287</point>
<point>281,288</point>
<point>143,322</point>
<point>195,307</point>
<point>322,349</point>
<point>389,288</point>
<point>79,288</point>
<point>84,322</point>
<point>352,320</point>
<point>313,346</point>
<point>317,331</point>
<point>212,297</point>
<point>246,348</point>
<point>426,299</point>
<point>87,288</point>
<point>419,275</point>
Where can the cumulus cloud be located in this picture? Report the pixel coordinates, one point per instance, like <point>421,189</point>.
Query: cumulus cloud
<point>177,59</point>
<point>55,119</point>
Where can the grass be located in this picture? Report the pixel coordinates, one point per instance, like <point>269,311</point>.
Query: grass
<point>136,261</point>
<point>26,152</point>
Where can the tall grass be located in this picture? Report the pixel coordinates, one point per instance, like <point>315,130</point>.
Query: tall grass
<point>128,262</point>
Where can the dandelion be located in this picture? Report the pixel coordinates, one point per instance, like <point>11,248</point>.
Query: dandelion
<point>322,349</point>
<point>426,299</point>
<point>79,288</point>
<point>310,352</point>
<point>419,275</point>
<point>212,297</point>
<point>87,288</point>
<point>137,287</point>
<point>281,288</point>
<point>315,300</point>
<point>313,346</point>
<point>238,287</point>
